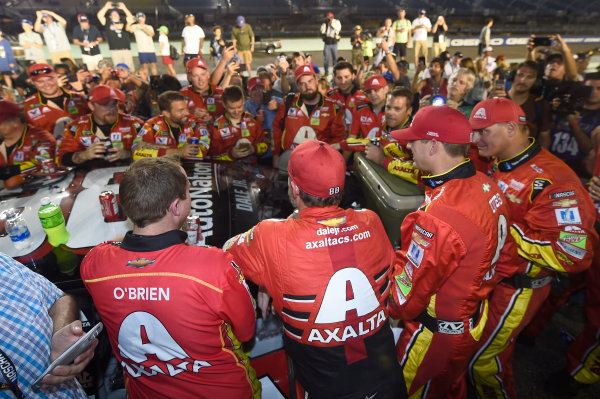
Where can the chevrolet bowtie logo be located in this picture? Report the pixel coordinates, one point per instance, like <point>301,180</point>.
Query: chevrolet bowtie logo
<point>140,263</point>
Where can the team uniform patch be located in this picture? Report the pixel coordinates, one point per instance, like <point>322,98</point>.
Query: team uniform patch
<point>415,253</point>
<point>567,216</point>
<point>564,203</point>
<point>572,250</point>
<point>578,240</point>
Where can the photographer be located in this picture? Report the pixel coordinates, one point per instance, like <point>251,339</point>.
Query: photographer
<point>570,139</point>
<point>330,32</point>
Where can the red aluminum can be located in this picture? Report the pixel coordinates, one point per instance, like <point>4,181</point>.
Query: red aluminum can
<point>48,165</point>
<point>110,208</point>
<point>193,230</point>
<point>260,112</point>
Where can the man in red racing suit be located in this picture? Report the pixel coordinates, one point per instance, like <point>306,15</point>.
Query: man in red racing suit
<point>306,116</point>
<point>173,312</point>
<point>105,135</point>
<point>552,220</point>
<point>171,131</point>
<point>447,266</point>
<point>327,271</point>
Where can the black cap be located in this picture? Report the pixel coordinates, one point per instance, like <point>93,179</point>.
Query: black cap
<point>458,54</point>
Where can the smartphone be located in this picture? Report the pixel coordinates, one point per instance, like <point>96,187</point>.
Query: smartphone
<point>542,41</point>
<point>228,44</point>
<point>422,60</point>
<point>72,77</point>
<point>114,5</point>
<point>500,84</point>
<point>366,58</point>
<point>70,354</point>
<point>242,67</point>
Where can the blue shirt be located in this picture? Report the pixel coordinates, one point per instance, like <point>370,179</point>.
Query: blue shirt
<point>26,328</point>
<point>7,57</point>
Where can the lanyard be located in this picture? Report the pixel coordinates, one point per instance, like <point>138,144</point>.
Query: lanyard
<point>9,372</point>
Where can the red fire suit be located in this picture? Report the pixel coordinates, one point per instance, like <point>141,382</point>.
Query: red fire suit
<point>324,123</point>
<point>446,269</point>
<point>44,115</point>
<point>347,102</point>
<point>583,356</point>
<point>81,133</point>
<point>156,136</point>
<point>213,102</point>
<point>328,273</point>
<point>552,225</point>
<point>366,123</point>
<point>174,314</point>
<point>224,135</point>
<point>34,144</point>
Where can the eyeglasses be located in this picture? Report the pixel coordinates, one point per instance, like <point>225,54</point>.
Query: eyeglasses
<point>41,71</point>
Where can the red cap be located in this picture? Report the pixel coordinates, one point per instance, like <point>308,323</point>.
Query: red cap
<point>303,70</point>
<point>196,63</point>
<point>496,110</point>
<point>253,82</point>
<point>440,123</point>
<point>317,169</point>
<point>103,94</point>
<point>374,82</point>
<point>37,71</point>
<point>329,14</point>
<point>9,110</point>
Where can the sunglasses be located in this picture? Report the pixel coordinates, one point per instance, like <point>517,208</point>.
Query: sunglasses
<point>41,71</point>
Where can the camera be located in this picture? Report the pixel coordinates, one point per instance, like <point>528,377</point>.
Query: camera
<point>437,100</point>
<point>572,95</point>
<point>543,41</point>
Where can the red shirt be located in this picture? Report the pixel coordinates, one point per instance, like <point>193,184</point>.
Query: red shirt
<point>324,123</point>
<point>34,144</point>
<point>173,314</point>
<point>43,115</point>
<point>81,133</point>
<point>213,102</point>
<point>224,135</point>
<point>347,102</point>
<point>158,131</point>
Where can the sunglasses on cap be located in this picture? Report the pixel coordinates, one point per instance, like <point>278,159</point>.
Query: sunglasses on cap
<point>41,71</point>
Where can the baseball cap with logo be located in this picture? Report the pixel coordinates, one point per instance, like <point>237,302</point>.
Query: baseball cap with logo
<point>303,70</point>
<point>196,63</point>
<point>254,82</point>
<point>37,71</point>
<point>375,82</point>
<point>103,94</point>
<point>26,21</point>
<point>9,110</point>
<point>422,11</point>
<point>496,110</point>
<point>440,123</point>
<point>317,169</point>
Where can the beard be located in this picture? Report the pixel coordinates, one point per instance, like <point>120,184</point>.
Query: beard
<point>310,96</point>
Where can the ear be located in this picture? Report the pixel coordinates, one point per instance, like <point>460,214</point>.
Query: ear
<point>512,129</point>
<point>174,208</point>
<point>433,149</point>
<point>294,187</point>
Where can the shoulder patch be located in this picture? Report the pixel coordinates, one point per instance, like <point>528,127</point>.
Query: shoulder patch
<point>537,187</point>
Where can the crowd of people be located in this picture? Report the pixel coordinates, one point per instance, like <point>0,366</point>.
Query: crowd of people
<point>509,157</point>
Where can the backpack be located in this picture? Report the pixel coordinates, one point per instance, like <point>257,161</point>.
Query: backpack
<point>174,54</point>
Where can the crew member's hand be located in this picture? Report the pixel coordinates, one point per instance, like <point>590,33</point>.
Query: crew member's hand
<point>242,150</point>
<point>559,43</point>
<point>94,151</point>
<point>374,153</point>
<point>272,105</point>
<point>283,65</point>
<point>189,150</point>
<point>262,300</point>
<point>420,67</point>
<point>61,341</point>
<point>385,46</point>
<point>202,113</point>
<point>530,44</point>
<point>594,188</point>
<point>117,153</point>
<point>233,67</point>
<point>574,117</point>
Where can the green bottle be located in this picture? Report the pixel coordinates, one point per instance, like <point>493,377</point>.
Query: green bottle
<point>53,222</point>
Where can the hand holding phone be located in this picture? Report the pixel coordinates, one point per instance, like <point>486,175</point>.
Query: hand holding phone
<point>85,345</point>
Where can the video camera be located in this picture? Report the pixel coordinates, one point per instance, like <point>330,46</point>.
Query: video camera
<point>572,96</point>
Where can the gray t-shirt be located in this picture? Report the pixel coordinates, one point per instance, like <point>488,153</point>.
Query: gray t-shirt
<point>144,42</point>
<point>55,37</point>
<point>32,53</point>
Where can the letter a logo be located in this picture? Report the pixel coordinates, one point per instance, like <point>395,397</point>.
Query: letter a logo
<point>480,114</point>
<point>335,304</point>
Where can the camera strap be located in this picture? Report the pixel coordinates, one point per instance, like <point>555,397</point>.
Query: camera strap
<point>9,372</point>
